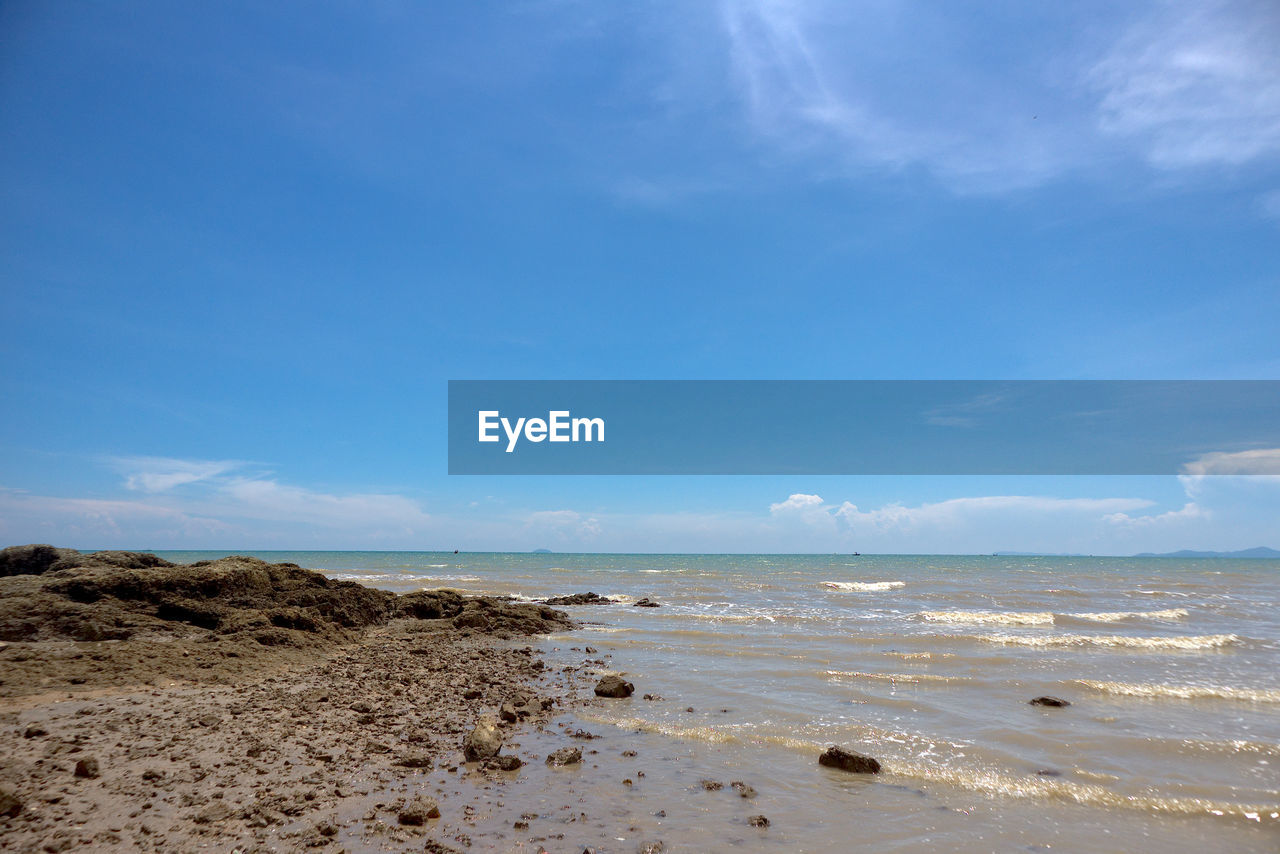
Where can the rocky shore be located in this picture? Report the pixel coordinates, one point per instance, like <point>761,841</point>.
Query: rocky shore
<point>240,705</point>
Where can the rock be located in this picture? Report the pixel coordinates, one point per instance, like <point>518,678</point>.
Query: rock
<point>655,847</point>
<point>1049,772</point>
<point>591,650</point>
<point>483,741</point>
<point>758,821</point>
<point>743,789</point>
<point>415,759</point>
<point>653,696</point>
<point>473,694</point>
<point>711,785</point>
<point>847,760</point>
<point>216,811</point>
<point>1051,702</point>
<point>565,756</point>
<point>587,598</point>
<point>646,602</point>
<point>504,762</point>
<point>418,811</point>
<point>614,686</point>
<point>10,803</point>
<point>361,706</point>
<point>87,768</point>
<point>34,559</point>
<point>34,731</point>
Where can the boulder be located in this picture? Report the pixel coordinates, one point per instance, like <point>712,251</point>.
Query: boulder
<point>614,686</point>
<point>758,821</point>
<point>483,741</point>
<point>848,760</point>
<point>646,602</point>
<point>1050,702</point>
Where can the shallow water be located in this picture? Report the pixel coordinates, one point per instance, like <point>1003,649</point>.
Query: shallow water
<point>926,662</point>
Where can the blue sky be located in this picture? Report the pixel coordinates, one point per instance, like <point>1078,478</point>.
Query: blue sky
<point>244,247</point>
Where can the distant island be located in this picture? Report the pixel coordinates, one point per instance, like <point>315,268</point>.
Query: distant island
<point>543,551</point>
<point>1259,552</point>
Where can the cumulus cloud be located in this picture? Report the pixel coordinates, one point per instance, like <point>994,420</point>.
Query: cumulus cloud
<point>799,502</point>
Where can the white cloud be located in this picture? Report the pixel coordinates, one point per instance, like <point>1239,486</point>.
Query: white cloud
<point>891,85</point>
<point>160,474</point>
<point>1196,84</point>
<point>1188,512</point>
<point>956,513</point>
<point>562,526</point>
<point>212,507</point>
<point>798,502</point>
<point>1261,461</point>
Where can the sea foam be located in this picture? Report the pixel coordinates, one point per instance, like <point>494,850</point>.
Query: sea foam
<point>864,586</point>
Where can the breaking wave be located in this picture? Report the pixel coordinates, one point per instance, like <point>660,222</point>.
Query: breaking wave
<point>1183,692</point>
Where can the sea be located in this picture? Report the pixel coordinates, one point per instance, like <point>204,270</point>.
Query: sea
<point>755,664</point>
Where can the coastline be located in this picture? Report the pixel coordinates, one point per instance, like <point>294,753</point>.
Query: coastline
<point>293,728</point>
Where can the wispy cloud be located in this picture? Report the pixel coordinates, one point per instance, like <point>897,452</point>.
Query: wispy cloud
<point>1196,84</point>
<point>161,474</point>
<point>206,502</point>
<point>897,84</point>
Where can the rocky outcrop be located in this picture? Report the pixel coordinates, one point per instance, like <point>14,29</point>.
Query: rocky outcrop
<point>848,760</point>
<point>51,594</point>
<point>587,598</point>
<point>646,602</point>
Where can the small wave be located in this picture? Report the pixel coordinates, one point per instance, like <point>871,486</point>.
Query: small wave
<point>1009,618</point>
<point>621,598</point>
<point>1116,616</point>
<point>864,586</point>
<point>1184,692</point>
<point>375,576</point>
<point>894,678</point>
<point>918,656</point>
<point>435,565</point>
<point>974,779</point>
<point>1115,641</point>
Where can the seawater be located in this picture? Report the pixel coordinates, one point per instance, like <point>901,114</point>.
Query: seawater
<point>1172,667</point>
